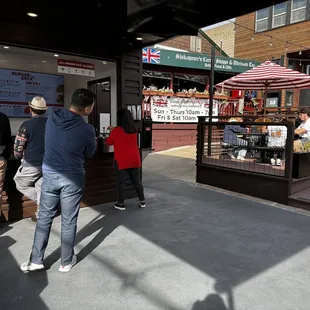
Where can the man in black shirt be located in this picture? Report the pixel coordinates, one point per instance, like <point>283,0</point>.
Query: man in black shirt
<point>29,147</point>
<point>5,150</point>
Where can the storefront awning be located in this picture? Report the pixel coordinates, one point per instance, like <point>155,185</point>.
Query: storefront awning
<point>195,61</point>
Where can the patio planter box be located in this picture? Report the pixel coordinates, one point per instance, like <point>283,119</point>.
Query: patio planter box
<point>301,165</point>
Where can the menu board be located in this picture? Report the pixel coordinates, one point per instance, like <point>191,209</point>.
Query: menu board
<point>17,89</point>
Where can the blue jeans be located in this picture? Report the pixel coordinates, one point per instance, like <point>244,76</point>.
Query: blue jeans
<point>68,190</point>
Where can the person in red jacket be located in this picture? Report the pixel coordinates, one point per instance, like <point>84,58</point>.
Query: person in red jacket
<point>127,159</point>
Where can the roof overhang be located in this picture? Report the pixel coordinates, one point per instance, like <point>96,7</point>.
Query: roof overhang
<point>107,30</point>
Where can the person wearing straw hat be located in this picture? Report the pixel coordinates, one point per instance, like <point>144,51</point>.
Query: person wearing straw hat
<point>29,147</point>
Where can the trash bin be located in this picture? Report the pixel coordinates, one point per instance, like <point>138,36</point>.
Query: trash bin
<point>146,134</point>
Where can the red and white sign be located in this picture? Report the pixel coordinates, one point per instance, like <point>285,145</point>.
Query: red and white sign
<point>76,67</point>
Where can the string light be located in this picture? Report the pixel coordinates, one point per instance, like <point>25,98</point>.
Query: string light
<point>275,38</point>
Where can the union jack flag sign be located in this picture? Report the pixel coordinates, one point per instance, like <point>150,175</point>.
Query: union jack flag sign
<point>151,55</point>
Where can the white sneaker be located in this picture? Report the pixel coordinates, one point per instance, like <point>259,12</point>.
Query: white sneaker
<point>68,267</point>
<point>120,207</point>
<point>142,204</point>
<point>29,266</point>
<point>279,162</point>
<point>272,161</point>
<point>231,155</point>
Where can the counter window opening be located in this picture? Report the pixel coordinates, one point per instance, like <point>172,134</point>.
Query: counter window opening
<point>101,116</point>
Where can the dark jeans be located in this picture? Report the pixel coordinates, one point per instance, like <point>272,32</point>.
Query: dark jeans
<point>68,190</point>
<point>134,175</point>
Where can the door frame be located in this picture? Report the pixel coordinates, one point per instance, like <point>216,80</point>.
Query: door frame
<point>96,117</point>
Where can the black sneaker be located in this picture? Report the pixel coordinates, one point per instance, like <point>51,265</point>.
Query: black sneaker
<point>142,204</point>
<point>119,206</point>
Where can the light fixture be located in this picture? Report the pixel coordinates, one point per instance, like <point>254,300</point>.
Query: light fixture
<point>44,61</point>
<point>31,14</point>
<point>56,55</point>
<point>6,47</point>
<point>104,62</point>
<point>252,38</point>
<point>300,53</point>
<point>139,39</point>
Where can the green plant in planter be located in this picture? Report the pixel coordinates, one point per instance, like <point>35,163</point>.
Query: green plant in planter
<point>307,147</point>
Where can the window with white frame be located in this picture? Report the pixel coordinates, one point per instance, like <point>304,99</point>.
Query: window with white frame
<point>195,44</point>
<point>279,15</point>
<point>261,23</point>
<point>298,10</point>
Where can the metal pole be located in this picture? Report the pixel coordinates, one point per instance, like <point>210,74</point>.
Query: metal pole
<point>211,99</point>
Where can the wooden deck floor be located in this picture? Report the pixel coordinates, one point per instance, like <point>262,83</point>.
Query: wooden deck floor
<point>302,195</point>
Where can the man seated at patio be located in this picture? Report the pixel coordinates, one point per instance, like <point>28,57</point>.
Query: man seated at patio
<point>303,130</point>
<point>231,137</point>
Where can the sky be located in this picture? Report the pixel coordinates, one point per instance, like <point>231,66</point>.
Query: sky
<point>218,24</point>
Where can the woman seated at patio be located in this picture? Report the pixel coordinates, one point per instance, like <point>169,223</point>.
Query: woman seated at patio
<point>262,119</point>
<point>231,137</point>
<point>303,130</point>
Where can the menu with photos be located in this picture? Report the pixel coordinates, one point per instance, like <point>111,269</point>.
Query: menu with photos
<point>17,88</point>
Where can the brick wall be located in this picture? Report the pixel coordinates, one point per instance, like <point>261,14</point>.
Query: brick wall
<point>227,35</point>
<point>183,42</point>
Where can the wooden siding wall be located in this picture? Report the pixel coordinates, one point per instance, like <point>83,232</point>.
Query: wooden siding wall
<point>259,49</point>
<point>167,136</point>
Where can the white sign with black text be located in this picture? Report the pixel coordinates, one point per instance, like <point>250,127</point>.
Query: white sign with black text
<point>180,110</point>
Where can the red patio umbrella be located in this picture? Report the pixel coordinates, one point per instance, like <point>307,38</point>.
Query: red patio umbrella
<point>267,76</point>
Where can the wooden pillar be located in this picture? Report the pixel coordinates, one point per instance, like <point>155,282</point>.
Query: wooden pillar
<point>129,79</point>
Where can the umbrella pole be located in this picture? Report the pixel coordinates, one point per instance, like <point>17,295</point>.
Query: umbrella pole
<point>265,100</point>
<point>211,100</point>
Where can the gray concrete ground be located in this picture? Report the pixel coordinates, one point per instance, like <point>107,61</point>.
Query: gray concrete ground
<point>174,167</point>
<point>190,249</point>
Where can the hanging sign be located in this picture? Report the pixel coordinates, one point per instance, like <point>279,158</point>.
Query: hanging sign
<point>180,110</point>
<point>76,67</point>
<point>196,60</point>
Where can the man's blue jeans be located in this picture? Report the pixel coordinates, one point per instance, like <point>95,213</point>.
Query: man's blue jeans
<point>68,190</point>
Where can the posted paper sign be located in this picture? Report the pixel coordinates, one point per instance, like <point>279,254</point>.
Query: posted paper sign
<point>180,110</point>
<point>76,67</point>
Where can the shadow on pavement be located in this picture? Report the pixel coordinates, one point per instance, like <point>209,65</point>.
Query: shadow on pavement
<point>212,302</point>
<point>229,239</point>
<point>18,290</point>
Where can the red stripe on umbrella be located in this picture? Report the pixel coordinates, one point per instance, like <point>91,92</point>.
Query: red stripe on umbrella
<point>267,75</point>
